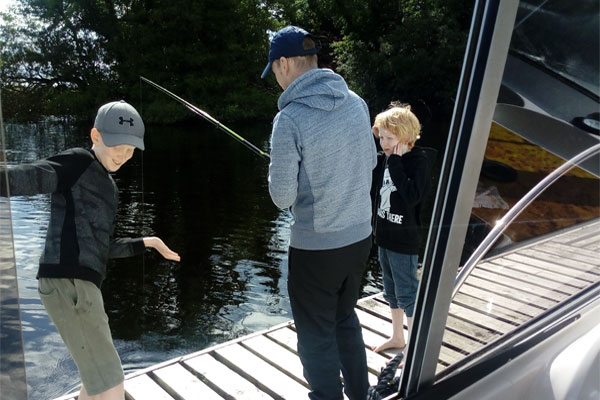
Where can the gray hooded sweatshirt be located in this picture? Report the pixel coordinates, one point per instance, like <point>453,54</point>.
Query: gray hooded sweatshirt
<point>322,157</point>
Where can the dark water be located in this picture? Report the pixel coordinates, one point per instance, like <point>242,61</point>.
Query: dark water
<point>206,196</point>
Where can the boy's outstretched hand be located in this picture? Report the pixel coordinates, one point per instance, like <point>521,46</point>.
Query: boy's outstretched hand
<point>161,247</point>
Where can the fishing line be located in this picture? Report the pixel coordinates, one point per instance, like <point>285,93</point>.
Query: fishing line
<point>144,230</point>
<point>209,118</point>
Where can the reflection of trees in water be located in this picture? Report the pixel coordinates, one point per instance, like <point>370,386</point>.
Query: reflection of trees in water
<point>30,142</point>
<point>206,196</point>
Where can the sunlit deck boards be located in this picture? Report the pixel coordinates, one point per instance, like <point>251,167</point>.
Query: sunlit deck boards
<point>507,290</point>
<point>502,292</point>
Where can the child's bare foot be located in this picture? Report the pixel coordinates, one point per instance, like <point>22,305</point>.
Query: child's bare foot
<point>390,344</point>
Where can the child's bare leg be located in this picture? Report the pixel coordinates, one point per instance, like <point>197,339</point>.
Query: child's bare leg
<point>397,340</point>
<point>114,393</point>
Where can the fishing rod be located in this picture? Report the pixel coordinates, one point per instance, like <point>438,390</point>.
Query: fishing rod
<point>210,119</point>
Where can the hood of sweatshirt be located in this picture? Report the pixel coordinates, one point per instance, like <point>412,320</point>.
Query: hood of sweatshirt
<point>318,88</point>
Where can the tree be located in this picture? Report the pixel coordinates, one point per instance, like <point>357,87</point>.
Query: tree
<point>72,55</point>
<point>407,50</point>
<point>81,53</point>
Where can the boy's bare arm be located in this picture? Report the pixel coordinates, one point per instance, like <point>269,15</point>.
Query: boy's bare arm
<point>160,246</point>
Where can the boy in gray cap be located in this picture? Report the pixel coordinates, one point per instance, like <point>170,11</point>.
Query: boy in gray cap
<point>322,155</point>
<point>79,241</point>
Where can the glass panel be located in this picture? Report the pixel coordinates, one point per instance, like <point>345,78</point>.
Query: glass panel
<point>550,253</point>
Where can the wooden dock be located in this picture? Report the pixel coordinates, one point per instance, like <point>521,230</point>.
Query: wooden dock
<point>501,293</point>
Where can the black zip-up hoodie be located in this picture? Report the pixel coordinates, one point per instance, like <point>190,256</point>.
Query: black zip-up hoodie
<point>398,197</point>
<point>84,200</point>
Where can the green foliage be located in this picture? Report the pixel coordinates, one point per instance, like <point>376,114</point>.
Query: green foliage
<point>405,50</point>
<point>70,56</point>
<point>82,53</point>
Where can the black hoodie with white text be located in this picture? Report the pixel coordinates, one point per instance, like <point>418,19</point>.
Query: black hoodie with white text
<point>400,185</point>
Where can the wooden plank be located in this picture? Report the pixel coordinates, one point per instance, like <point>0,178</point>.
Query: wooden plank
<point>283,359</point>
<point>228,381</point>
<point>142,387</point>
<point>375,306</point>
<point>470,330</point>
<point>490,308</point>
<point>374,339</point>
<point>175,379</point>
<point>286,337</point>
<point>276,355</point>
<point>374,323</point>
<point>558,260</point>
<point>586,241</point>
<point>549,294</point>
<point>574,234</point>
<point>547,284</point>
<point>536,273</point>
<point>375,361</point>
<point>450,356</point>
<point>551,266</point>
<point>261,373</point>
<point>460,342</point>
<point>480,319</point>
<point>510,292</point>
<point>451,339</point>
<point>594,247</point>
<point>579,254</point>
<point>496,299</point>
<point>439,368</point>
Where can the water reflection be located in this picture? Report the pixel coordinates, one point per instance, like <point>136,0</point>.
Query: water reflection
<point>206,196</point>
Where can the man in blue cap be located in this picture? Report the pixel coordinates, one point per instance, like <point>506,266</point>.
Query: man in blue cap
<point>322,157</point>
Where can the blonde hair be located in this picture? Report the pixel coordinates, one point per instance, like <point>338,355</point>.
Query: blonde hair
<point>399,120</point>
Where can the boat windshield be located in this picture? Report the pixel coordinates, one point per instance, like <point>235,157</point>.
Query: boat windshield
<point>570,48</point>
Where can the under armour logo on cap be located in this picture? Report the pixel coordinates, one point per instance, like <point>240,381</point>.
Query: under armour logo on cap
<point>130,121</point>
<point>115,122</point>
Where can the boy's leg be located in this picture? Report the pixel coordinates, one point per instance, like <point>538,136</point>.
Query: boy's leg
<point>397,341</point>
<point>404,268</point>
<point>390,295</point>
<point>77,309</point>
<point>399,277</point>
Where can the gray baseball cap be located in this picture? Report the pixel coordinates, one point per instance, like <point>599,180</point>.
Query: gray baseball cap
<point>119,123</point>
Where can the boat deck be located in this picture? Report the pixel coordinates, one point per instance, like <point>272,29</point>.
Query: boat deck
<point>502,292</point>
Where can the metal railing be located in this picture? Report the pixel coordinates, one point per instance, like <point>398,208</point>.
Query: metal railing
<point>514,212</point>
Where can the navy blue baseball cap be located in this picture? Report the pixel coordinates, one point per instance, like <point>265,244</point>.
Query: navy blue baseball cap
<point>287,42</point>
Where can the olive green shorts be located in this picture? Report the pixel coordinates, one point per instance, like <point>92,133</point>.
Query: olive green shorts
<point>77,309</point>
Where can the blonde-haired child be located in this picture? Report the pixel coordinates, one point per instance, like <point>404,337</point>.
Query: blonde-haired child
<point>401,181</point>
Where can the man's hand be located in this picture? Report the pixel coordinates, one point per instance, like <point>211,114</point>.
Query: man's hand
<point>161,247</point>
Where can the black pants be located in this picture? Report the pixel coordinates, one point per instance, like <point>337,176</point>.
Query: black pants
<point>324,286</point>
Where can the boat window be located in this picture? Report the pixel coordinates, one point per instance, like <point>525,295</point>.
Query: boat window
<point>545,262</point>
<point>569,48</point>
<point>549,254</point>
